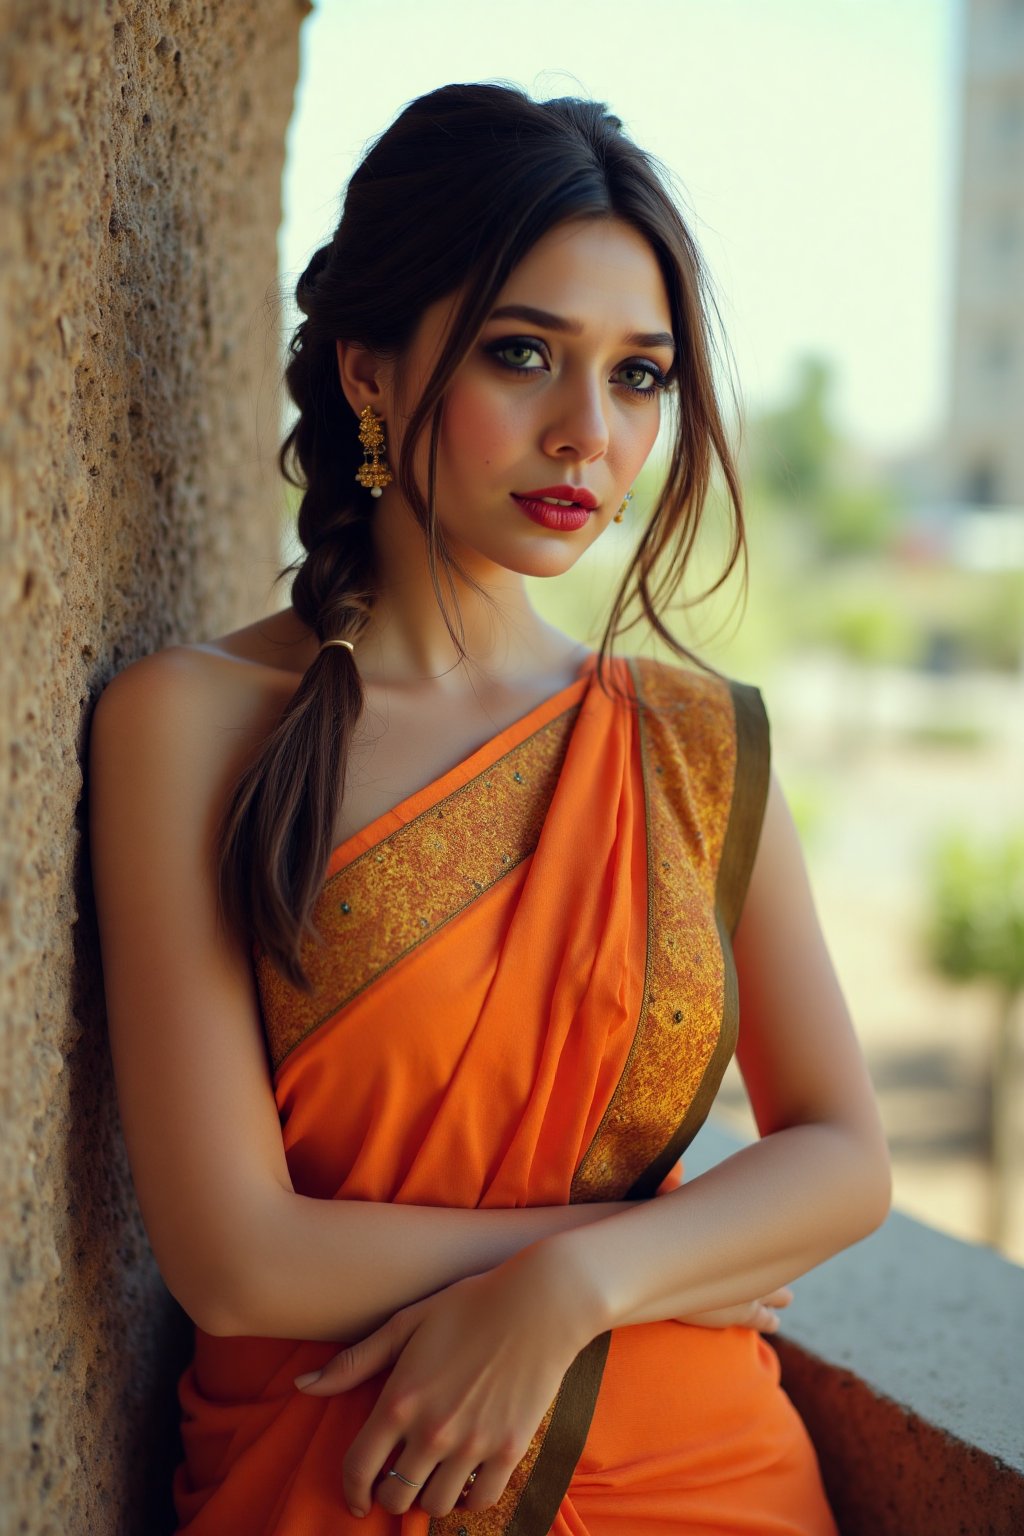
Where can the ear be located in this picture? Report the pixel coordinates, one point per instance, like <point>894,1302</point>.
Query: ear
<point>362,375</point>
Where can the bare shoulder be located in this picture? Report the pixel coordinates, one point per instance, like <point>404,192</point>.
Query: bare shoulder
<point>187,694</point>
<point>195,713</point>
<point>170,736</point>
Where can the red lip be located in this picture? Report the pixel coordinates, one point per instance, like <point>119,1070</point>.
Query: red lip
<point>575,493</point>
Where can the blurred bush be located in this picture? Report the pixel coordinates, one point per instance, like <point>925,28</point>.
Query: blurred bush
<point>991,630</point>
<point>862,627</point>
<point>976,932</point>
<point>795,458</point>
<point>976,919</point>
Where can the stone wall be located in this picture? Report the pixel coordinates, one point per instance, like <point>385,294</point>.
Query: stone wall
<point>141,148</point>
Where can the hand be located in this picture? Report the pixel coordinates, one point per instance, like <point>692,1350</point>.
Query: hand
<point>475,1367</point>
<point>762,1314</point>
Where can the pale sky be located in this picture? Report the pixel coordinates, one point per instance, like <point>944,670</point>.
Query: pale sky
<point>815,142</point>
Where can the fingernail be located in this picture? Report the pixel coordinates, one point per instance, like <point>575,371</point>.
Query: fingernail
<point>308,1379</point>
<point>359,1513</point>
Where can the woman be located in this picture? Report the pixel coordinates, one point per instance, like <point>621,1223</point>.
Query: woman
<point>402,1068</point>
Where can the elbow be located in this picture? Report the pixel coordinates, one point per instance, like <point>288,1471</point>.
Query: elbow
<point>874,1183</point>
<point>883,1194</point>
<point>222,1326</point>
<point>218,1320</point>
<point>211,1303</point>
<point>215,1270</point>
<point>232,1310</point>
<point>210,1311</point>
<point>857,1180</point>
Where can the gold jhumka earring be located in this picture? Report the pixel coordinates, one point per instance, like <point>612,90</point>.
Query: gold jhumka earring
<point>620,514</point>
<point>372,474</point>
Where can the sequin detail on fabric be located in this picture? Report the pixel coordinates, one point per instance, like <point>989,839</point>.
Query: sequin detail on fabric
<point>392,898</point>
<point>689,756</point>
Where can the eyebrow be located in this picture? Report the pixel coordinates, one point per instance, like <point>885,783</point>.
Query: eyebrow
<point>550,322</point>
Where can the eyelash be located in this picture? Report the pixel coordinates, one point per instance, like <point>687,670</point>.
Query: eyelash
<point>662,380</point>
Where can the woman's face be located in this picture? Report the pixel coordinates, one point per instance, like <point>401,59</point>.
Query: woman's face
<point>560,394</point>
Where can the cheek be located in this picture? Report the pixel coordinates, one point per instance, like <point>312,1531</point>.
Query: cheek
<point>479,430</point>
<point>643,432</point>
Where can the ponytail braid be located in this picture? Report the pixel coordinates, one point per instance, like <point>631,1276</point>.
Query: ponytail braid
<point>275,837</point>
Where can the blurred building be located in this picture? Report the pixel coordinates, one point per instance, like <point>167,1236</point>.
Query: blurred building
<point>982,458</point>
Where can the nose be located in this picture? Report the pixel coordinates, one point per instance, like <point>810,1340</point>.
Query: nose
<point>577,426</point>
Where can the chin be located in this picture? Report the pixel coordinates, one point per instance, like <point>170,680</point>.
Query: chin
<point>539,562</point>
<point>552,557</point>
<point>551,565</point>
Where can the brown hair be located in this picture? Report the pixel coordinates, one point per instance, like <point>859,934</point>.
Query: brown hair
<point>448,201</point>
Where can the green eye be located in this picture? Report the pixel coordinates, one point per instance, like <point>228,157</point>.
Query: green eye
<point>519,354</point>
<point>636,376</point>
<point>516,353</point>
<point>642,379</point>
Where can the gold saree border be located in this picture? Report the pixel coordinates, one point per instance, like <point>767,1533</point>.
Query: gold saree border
<point>688,750</point>
<point>390,899</point>
<point>564,1441</point>
<point>742,835</point>
<point>746,816</point>
<point>736,737</point>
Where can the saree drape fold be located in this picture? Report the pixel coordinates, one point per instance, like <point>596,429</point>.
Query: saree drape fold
<point>526,996</point>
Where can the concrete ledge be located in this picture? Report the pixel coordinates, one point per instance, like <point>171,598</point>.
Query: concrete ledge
<point>905,1357</point>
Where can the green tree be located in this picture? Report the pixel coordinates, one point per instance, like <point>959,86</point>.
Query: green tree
<point>796,444</point>
<point>798,460</point>
<point>976,932</point>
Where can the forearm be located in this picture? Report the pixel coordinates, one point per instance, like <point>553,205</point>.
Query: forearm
<point>755,1222</point>
<point>337,1269</point>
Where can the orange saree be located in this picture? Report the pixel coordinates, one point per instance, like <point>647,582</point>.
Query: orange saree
<point>526,997</point>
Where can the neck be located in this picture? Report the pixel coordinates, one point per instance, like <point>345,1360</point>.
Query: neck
<point>407,639</point>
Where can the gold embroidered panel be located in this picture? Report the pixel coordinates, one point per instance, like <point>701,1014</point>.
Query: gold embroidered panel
<point>689,757</point>
<point>390,899</point>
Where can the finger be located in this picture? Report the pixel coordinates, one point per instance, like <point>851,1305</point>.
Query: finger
<point>767,1321</point>
<point>381,1444</point>
<point>399,1488</point>
<point>491,1481</point>
<point>443,1493</point>
<point>352,1365</point>
<point>780,1298</point>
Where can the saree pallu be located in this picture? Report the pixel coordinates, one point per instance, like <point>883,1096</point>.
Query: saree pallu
<point>526,996</point>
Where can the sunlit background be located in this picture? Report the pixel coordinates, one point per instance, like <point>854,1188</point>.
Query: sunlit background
<point>854,173</point>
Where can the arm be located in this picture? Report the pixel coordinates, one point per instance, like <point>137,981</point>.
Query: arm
<point>818,1179</point>
<point>241,1251</point>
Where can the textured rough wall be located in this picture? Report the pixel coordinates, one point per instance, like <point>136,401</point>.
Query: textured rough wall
<point>888,1471</point>
<point>141,148</point>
